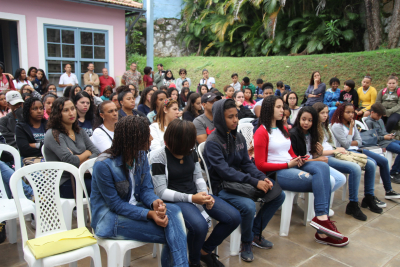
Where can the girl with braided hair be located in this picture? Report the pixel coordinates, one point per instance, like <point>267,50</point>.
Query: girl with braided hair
<point>123,202</point>
<point>273,152</point>
<point>227,159</point>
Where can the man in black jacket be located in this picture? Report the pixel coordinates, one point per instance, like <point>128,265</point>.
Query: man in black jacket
<point>8,122</point>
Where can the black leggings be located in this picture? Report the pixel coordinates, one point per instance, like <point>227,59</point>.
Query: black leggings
<point>392,121</point>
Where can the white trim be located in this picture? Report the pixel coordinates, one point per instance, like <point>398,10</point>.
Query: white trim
<point>40,29</point>
<point>22,38</point>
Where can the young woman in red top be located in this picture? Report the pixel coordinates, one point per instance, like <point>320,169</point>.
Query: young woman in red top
<point>273,152</point>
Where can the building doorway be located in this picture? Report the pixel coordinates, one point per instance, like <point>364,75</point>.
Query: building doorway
<point>9,47</point>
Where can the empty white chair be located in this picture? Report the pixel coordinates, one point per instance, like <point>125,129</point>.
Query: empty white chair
<point>246,120</point>
<point>365,124</point>
<point>246,129</point>
<point>8,210</point>
<point>45,181</point>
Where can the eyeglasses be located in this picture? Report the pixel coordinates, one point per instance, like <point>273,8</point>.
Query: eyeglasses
<point>292,98</point>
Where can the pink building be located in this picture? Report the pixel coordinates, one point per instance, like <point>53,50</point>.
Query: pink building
<point>48,34</point>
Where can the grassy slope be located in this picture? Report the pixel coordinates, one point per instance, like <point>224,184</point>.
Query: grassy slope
<point>295,71</point>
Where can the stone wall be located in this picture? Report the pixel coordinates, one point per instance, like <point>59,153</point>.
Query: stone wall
<point>166,43</point>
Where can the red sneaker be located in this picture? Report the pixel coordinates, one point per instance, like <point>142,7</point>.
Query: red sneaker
<point>331,242</point>
<point>326,227</point>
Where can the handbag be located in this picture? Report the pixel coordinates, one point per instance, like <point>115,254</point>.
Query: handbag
<point>358,158</point>
<point>247,190</point>
<point>369,138</point>
<point>50,245</point>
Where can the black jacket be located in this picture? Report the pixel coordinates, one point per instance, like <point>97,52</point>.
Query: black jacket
<point>298,142</point>
<point>7,126</point>
<point>188,116</point>
<point>244,112</point>
<point>24,137</point>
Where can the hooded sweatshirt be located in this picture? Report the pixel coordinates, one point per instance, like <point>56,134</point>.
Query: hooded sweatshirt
<point>226,155</point>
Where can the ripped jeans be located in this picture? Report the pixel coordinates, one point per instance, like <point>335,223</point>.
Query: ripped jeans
<point>313,177</point>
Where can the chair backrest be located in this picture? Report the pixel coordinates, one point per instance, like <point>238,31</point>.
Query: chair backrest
<point>45,179</point>
<point>365,125</point>
<point>86,166</point>
<point>360,124</point>
<point>200,149</point>
<point>43,154</point>
<point>245,120</point>
<point>246,129</point>
<point>17,166</point>
<point>333,136</point>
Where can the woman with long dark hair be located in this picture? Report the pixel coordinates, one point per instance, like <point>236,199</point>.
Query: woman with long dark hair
<point>127,102</point>
<point>65,141</point>
<point>157,100</point>
<point>20,79</point>
<point>184,96</point>
<point>40,82</point>
<point>50,88</point>
<point>273,152</point>
<point>123,202</point>
<point>32,71</point>
<point>85,110</point>
<point>168,78</point>
<point>104,126</point>
<point>316,89</point>
<point>145,99</point>
<point>193,108</point>
<point>48,100</point>
<point>4,110</point>
<point>243,112</point>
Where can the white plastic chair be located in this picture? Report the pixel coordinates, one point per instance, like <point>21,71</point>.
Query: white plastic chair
<point>43,153</point>
<point>360,124</point>
<point>8,210</point>
<point>45,180</point>
<point>365,124</point>
<point>118,251</point>
<point>246,129</point>
<point>245,120</point>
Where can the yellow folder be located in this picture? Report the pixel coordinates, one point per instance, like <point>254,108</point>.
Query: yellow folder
<point>50,245</point>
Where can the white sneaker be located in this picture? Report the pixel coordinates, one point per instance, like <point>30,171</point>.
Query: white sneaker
<point>331,213</point>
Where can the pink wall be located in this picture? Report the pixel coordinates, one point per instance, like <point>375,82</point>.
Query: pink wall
<point>64,10</point>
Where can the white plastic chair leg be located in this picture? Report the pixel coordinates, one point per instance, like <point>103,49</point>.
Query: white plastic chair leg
<point>344,188</point>
<point>154,250</point>
<point>127,258</point>
<point>159,249</point>
<point>73,264</point>
<point>286,213</point>
<point>96,257</point>
<point>235,241</point>
<point>332,197</point>
<point>67,208</point>
<point>309,213</point>
<point>11,229</point>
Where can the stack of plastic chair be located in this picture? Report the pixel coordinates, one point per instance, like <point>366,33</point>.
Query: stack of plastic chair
<point>45,181</point>
<point>245,120</point>
<point>246,129</point>
<point>8,210</point>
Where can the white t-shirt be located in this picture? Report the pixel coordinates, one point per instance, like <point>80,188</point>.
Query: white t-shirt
<point>236,86</point>
<point>308,144</point>
<point>158,136</point>
<point>19,84</point>
<point>326,145</point>
<point>293,115</point>
<point>346,133</point>
<point>278,147</point>
<point>100,138</point>
<point>65,79</point>
<point>259,103</point>
<point>132,200</point>
<point>209,82</point>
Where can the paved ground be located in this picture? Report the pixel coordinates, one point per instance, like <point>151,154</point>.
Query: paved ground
<point>375,242</point>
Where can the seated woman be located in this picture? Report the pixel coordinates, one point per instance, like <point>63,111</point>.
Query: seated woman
<point>193,108</point>
<point>144,103</point>
<point>74,90</point>
<point>332,95</point>
<point>156,102</point>
<point>66,142</point>
<point>51,88</point>
<point>168,111</point>
<point>177,178</point>
<point>127,102</point>
<point>348,137</point>
<point>104,125</point>
<point>48,100</point>
<point>173,93</point>
<point>135,93</point>
<point>203,89</point>
<point>85,109</point>
<point>366,97</point>
<point>243,112</point>
<point>292,100</point>
<point>248,98</point>
<point>26,88</point>
<point>227,159</point>
<point>123,202</point>
<point>4,109</point>
<point>389,97</point>
<point>95,99</point>
<point>114,99</point>
<point>273,152</point>
<point>183,96</point>
<point>106,94</point>
<point>30,132</point>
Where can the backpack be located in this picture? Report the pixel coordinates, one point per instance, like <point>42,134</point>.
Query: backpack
<point>398,91</point>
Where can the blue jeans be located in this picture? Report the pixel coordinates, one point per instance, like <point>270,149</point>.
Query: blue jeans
<point>313,177</point>
<point>337,179</point>
<point>228,220</point>
<point>6,173</point>
<point>173,236</point>
<point>369,177</point>
<point>383,164</point>
<point>394,147</point>
<point>247,207</point>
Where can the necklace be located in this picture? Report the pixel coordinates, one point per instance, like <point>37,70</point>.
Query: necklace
<point>71,135</point>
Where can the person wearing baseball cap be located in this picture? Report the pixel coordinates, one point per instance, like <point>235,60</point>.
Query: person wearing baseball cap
<point>8,122</point>
<point>204,123</point>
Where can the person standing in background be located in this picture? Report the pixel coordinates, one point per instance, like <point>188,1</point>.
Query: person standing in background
<point>209,81</point>
<point>105,81</point>
<point>159,76</point>
<point>68,78</point>
<point>132,76</point>
<point>181,79</point>
<point>148,77</point>
<point>91,78</point>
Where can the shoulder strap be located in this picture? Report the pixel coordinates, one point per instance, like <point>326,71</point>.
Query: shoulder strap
<point>398,92</point>
<point>106,133</point>
<point>384,91</point>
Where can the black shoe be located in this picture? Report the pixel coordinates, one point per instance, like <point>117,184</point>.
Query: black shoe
<point>211,260</point>
<point>392,194</point>
<point>395,179</point>
<point>2,232</point>
<point>354,209</point>
<point>379,203</point>
<point>246,253</point>
<point>369,202</point>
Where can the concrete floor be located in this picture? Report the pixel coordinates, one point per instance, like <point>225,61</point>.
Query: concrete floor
<point>375,242</point>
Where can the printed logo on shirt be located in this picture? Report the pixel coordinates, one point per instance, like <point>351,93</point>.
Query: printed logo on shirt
<point>208,131</point>
<point>239,146</point>
<point>347,97</point>
<point>38,137</point>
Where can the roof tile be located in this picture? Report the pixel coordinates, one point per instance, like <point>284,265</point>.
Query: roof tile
<point>129,3</point>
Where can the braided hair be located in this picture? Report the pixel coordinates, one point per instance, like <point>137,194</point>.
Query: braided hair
<point>267,114</point>
<point>313,131</point>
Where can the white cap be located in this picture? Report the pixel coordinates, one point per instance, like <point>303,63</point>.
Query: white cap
<point>14,97</point>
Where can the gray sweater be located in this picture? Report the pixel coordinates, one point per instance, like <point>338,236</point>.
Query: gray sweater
<point>319,90</point>
<point>343,140</point>
<point>380,130</point>
<point>61,152</point>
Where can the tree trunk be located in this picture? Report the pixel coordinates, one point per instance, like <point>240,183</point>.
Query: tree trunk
<point>394,28</point>
<point>199,50</point>
<point>374,27</point>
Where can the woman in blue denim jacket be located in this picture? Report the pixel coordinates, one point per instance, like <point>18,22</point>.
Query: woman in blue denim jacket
<point>123,202</point>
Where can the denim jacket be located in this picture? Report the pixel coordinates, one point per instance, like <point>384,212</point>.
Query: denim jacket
<point>111,192</point>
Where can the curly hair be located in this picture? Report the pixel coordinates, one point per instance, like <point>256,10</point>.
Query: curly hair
<point>26,110</point>
<point>122,88</point>
<point>267,114</point>
<point>147,70</point>
<point>90,113</point>
<point>154,97</point>
<point>145,92</point>
<point>131,140</point>
<point>313,131</point>
<point>338,115</point>
<point>55,119</point>
<point>160,117</point>
<point>190,105</point>
<point>323,127</point>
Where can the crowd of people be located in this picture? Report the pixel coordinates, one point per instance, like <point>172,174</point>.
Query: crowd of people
<point>299,145</point>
